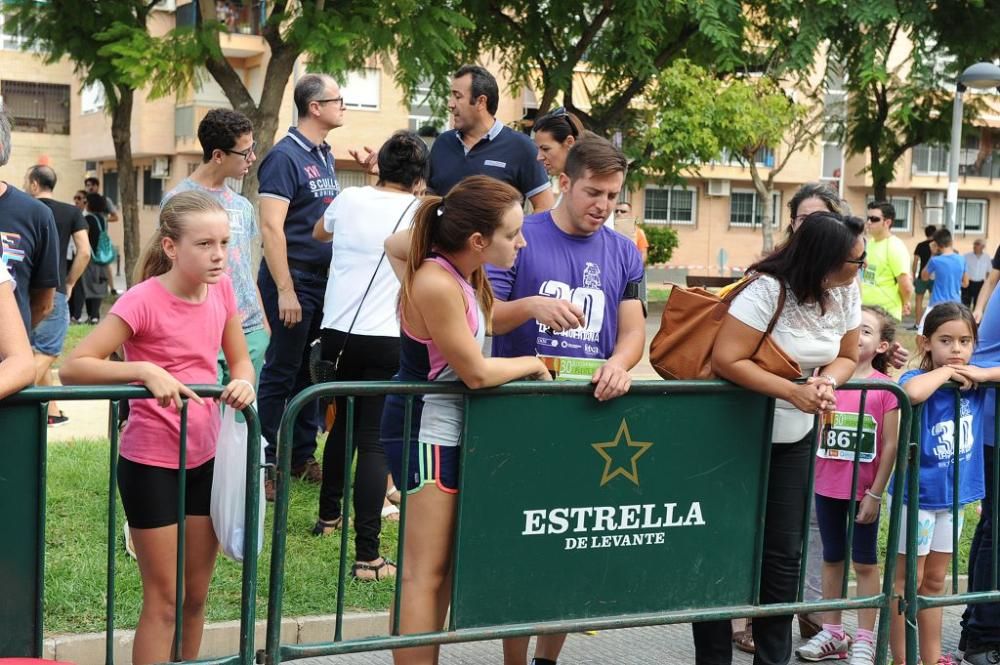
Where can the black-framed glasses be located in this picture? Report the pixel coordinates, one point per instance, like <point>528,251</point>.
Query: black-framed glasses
<point>860,261</point>
<point>339,100</point>
<point>245,154</point>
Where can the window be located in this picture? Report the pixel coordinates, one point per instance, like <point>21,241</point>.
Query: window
<point>904,212</point>
<point>669,206</point>
<point>745,208</point>
<point>110,182</point>
<point>354,178</point>
<point>152,188</point>
<point>10,41</point>
<point>930,159</point>
<point>37,107</point>
<point>361,90</point>
<point>763,157</point>
<point>970,216</point>
<point>422,111</point>
<point>91,98</point>
<point>833,161</point>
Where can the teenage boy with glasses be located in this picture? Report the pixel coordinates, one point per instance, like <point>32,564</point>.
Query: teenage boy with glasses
<point>228,146</point>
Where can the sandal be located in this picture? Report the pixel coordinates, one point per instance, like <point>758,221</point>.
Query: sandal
<point>376,568</point>
<point>394,496</point>
<point>390,513</point>
<point>326,527</point>
<point>743,639</point>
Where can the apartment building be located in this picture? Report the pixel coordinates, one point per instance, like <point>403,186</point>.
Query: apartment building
<point>716,212</point>
<point>37,97</point>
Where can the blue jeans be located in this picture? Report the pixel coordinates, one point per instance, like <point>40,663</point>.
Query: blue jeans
<point>286,363</point>
<point>982,620</point>
<point>49,335</point>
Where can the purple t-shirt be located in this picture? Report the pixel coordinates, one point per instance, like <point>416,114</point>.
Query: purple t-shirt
<point>590,271</point>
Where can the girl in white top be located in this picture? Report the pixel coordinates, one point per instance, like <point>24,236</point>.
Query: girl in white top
<point>818,327</point>
<point>16,366</point>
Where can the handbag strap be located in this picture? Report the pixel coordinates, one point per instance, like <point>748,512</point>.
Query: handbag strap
<point>368,288</point>
<point>782,294</point>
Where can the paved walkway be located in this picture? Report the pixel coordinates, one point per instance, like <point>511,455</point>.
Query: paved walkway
<point>660,645</point>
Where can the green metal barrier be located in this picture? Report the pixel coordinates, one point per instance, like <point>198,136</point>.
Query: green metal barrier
<point>22,494</point>
<point>914,601</point>
<point>561,492</point>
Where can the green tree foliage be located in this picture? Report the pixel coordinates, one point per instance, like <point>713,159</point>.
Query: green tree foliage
<point>90,33</point>
<point>896,66</point>
<point>662,243</point>
<point>414,38</point>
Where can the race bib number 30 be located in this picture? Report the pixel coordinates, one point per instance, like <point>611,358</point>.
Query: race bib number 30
<point>839,439</point>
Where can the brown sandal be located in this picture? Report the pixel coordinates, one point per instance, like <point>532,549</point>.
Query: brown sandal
<point>743,639</point>
<point>377,568</point>
<point>326,527</point>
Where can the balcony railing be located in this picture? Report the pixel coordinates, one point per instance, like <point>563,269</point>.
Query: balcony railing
<point>239,17</point>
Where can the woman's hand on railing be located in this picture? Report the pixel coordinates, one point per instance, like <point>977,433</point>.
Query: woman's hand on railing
<point>812,397</point>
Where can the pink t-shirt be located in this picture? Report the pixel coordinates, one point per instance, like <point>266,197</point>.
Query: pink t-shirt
<point>834,464</point>
<point>183,338</point>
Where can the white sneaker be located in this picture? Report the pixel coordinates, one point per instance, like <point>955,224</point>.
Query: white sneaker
<point>824,646</point>
<point>863,653</point>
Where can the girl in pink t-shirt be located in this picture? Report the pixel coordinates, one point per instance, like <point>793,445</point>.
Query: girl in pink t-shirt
<point>171,326</point>
<point>834,473</point>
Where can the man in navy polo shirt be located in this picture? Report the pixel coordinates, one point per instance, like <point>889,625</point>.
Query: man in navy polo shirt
<point>29,243</point>
<point>297,183</point>
<point>480,144</point>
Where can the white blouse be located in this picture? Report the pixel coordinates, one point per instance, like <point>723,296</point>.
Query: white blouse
<point>806,334</point>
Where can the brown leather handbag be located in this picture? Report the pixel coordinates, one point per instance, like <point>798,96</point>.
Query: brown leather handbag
<point>682,347</point>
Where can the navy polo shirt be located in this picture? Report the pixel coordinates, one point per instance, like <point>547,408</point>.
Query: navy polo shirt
<point>30,245</point>
<point>299,172</point>
<point>502,154</point>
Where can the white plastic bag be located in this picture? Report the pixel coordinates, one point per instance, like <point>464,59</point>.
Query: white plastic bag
<point>229,487</point>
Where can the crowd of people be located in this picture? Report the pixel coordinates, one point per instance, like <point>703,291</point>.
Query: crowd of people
<point>405,279</point>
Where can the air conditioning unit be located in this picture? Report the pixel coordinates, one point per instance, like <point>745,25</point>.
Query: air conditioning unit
<point>933,216</point>
<point>934,199</point>
<point>161,168</point>
<point>718,187</point>
<point>165,6</point>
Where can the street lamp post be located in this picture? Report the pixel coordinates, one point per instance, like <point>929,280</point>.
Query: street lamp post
<point>981,75</point>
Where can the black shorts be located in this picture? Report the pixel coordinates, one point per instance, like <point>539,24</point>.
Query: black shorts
<point>149,493</point>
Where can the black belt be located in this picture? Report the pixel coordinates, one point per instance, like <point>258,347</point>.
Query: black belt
<point>321,270</point>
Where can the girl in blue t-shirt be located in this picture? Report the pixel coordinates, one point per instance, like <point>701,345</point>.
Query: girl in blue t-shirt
<point>949,337</point>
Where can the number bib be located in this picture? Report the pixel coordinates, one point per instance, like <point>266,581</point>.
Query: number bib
<point>838,439</point>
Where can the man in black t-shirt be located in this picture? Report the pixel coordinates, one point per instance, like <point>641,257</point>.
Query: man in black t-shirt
<point>48,337</point>
<point>28,241</point>
<point>921,255</point>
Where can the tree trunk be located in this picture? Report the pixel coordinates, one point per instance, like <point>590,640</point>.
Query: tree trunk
<point>767,211</point>
<point>121,135</point>
<point>880,183</point>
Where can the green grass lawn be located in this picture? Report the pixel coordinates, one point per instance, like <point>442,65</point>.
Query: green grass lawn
<point>76,554</point>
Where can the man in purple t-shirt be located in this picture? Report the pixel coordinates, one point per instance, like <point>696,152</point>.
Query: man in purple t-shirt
<point>574,290</point>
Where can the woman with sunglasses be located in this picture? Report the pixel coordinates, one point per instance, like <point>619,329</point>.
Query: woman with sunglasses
<point>818,328</point>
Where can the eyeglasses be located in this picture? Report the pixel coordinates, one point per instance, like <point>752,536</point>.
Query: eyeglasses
<point>860,261</point>
<point>875,220</point>
<point>559,112</point>
<point>245,154</point>
<point>339,100</point>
